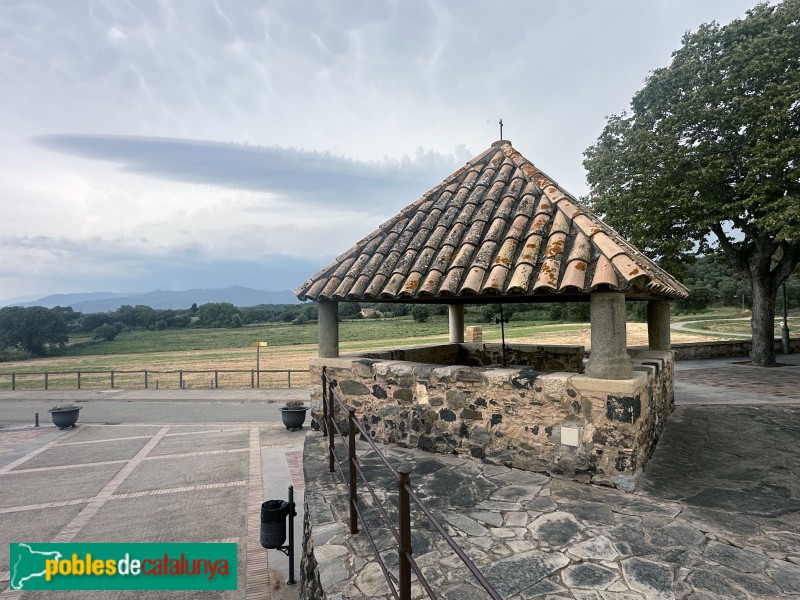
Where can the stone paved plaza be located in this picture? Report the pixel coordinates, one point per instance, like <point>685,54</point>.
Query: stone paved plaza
<point>151,482</point>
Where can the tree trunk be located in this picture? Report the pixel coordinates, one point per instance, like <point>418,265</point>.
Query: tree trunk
<point>762,322</point>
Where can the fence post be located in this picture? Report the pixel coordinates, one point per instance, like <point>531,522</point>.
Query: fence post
<point>112,379</point>
<point>79,380</point>
<point>180,379</point>
<point>216,380</point>
<point>45,379</point>
<point>13,381</point>
<point>252,378</point>
<point>404,549</point>
<point>145,380</point>
<point>324,401</point>
<point>289,377</point>
<point>330,427</point>
<point>351,453</point>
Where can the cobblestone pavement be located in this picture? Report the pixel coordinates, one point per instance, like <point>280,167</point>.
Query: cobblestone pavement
<point>150,482</point>
<point>717,514</point>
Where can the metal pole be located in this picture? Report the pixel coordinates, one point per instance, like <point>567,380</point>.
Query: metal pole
<point>45,380</point>
<point>13,381</point>
<point>351,468</point>
<point>37,420</point>
<point>145,380</point>
<point>324,401</point>
<point>291,580</point>
<point>330,428</point>
<point>112,379</point>
<point>252,378</point>
<point>289,378</point>
<point>79,380</point>
<point>258,366</point>
<point>216,380</point>
<point>785,325</point>
<point>180,379</point>
<point>404,549</point>
<point>502,320</point>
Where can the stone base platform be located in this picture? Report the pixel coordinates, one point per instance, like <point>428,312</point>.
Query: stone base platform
<point>539,537</point>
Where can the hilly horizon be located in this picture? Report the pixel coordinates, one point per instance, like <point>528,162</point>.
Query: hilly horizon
<point>97,302</point>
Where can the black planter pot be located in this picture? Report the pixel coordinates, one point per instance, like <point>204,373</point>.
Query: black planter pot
<point>294,418</point>
<point>65,417</point>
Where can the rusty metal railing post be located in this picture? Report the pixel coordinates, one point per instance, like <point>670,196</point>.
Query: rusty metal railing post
<point>330,427</point>
<point>324,401</point>
<point>404,548</point>
<point>351,468</point>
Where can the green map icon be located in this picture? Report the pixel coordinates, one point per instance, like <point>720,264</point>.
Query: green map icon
<point>28,564</point>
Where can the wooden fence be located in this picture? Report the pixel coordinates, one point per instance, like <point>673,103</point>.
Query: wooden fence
<point>180,379</point>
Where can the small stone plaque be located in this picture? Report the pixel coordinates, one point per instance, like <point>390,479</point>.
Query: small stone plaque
<point>570,437</point>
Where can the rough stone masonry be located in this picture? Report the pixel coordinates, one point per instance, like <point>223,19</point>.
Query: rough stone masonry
<point>540,415</point>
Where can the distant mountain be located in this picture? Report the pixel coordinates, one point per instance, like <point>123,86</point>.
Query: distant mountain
<point>108,302</point>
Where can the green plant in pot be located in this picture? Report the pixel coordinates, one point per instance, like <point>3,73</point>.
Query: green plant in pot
<point>293,414</point>
<point>64,415</point>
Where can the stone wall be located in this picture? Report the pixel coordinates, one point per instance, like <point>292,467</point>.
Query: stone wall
<point>556,422</point>
<point>537,357</point>
<point>732,348</point>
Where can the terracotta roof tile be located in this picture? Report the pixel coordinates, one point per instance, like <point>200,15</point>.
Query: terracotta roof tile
<point>498,226</point>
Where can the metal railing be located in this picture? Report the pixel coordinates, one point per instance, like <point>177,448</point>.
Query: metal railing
<point>402,474</point>
<point>180,379</point>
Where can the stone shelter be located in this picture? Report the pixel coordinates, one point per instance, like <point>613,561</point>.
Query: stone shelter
<point>499,230</point>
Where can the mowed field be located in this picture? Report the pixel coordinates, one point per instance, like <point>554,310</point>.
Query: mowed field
<point>290,346</point>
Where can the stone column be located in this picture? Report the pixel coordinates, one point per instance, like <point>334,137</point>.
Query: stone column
<point>658,334</point>
<point>328,329</point>
<point>456,314</point>
<point>609,357</point>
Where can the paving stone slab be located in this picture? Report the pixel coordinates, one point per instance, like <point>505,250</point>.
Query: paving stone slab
<point>104,432</point>
<point>196,516</point>
<point>596,548</point>
<point>652,579</point>
<point>786,575</point>
<point>215,440</point>
<point>736,558</point>
<point>588,575</point>
<point>33,526</point>
<point>101,451</point>
<point>40,487</point>
<point>187,470</point>
<point>510,576</point>
<point>556,529</point>
<point>715,584</point>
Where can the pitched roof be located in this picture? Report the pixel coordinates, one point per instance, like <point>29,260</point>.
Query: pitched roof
<point>496,228</point>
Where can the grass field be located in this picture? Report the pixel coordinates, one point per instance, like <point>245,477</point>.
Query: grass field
<point>290,347</point>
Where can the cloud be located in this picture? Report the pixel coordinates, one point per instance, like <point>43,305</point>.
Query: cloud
<point>305,177</point>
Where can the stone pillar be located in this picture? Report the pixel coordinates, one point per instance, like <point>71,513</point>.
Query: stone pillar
<point>609,356</point>
<point>456,313</point>
<point>328,329</point>
<point>658,335</point>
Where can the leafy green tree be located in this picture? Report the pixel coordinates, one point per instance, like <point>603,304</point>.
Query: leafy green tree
<point>709,156</point>
<point>107,332</point>
<point>218,314</point>
<point>34,329</point>
<point>420,313</point>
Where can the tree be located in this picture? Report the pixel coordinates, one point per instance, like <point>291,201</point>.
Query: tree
<point>420,313</point>
<point>107,332</point>
<point>34,329</point>
<point>709,157</point>
<point>218,314</point>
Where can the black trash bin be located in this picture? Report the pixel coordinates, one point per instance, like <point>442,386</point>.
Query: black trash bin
<point>273,523</point>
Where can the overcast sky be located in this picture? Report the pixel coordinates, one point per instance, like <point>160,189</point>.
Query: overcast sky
<point>208,143</point>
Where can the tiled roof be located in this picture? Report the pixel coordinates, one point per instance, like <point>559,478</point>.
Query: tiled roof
<point>498,227</point>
